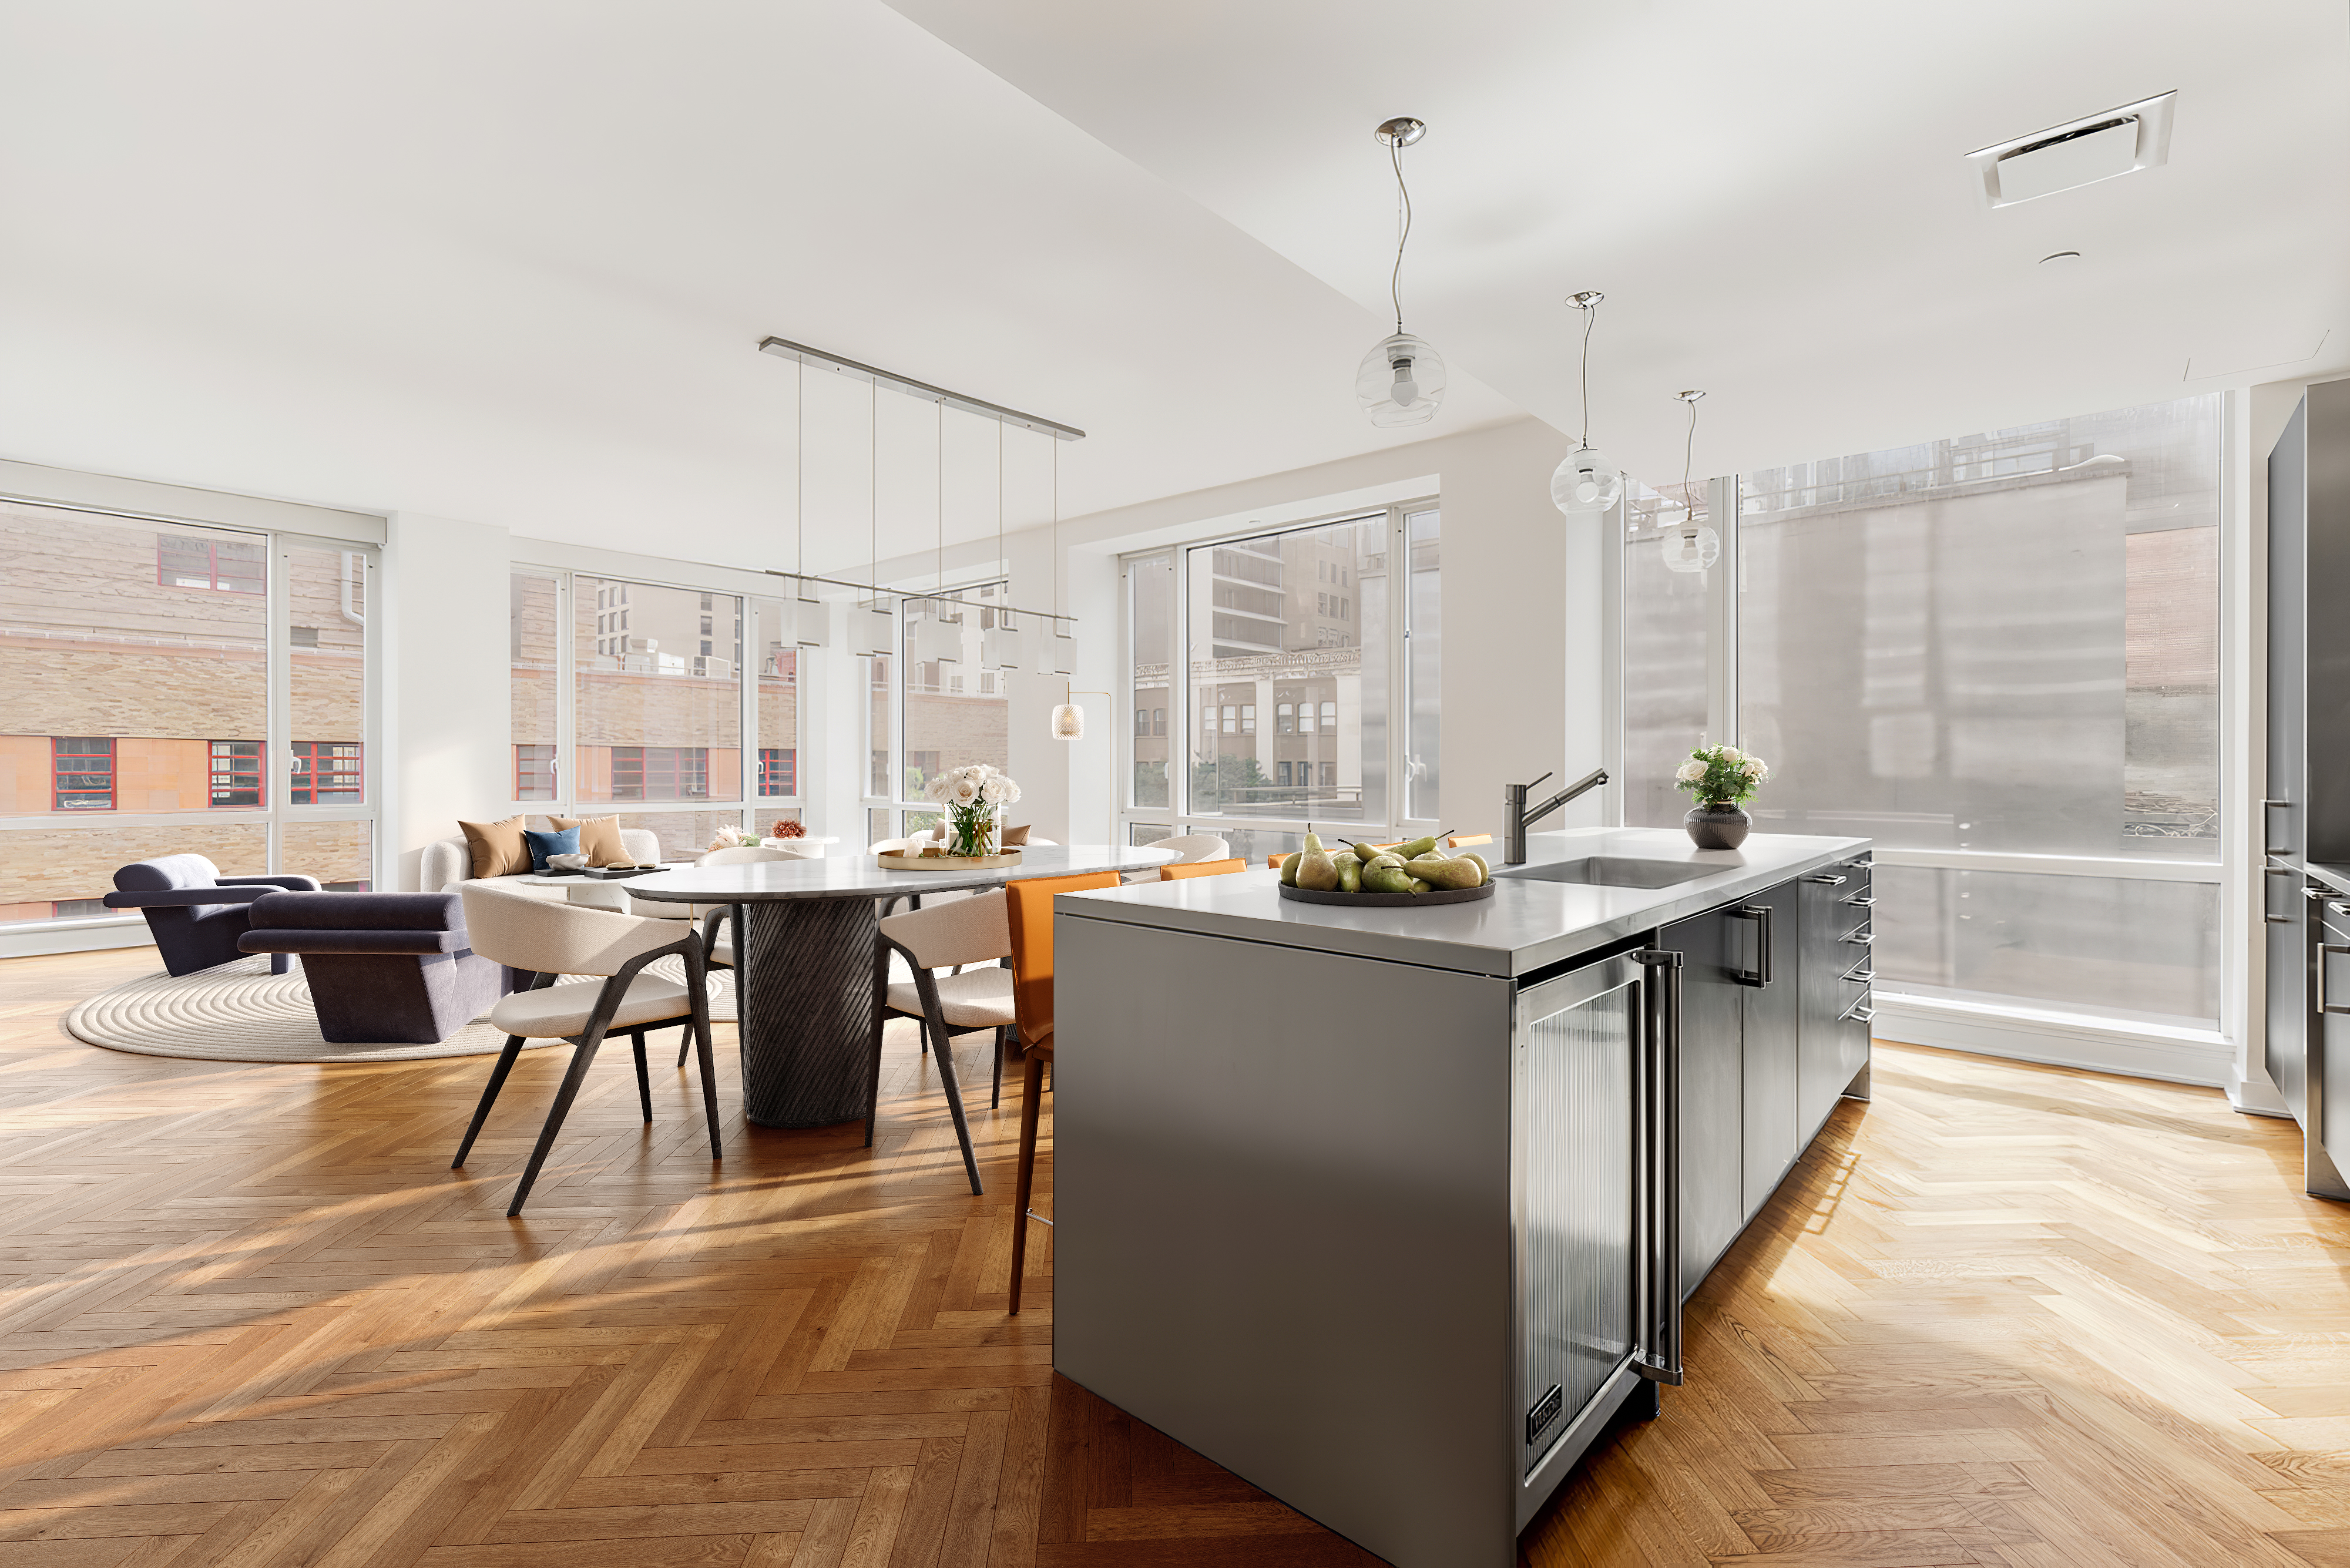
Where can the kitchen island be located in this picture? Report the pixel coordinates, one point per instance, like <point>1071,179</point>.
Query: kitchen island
<point>1391,1210</point>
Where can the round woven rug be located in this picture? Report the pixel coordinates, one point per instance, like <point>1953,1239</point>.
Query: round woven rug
<point>241,1013</point>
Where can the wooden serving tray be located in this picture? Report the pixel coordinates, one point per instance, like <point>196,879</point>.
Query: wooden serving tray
<point>890,860</point>
<point>1387,900</point>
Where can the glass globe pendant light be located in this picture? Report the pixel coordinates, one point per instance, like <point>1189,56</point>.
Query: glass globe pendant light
<point>1401,380</point>
<point>1587,480</point>
<point>1692,547</point>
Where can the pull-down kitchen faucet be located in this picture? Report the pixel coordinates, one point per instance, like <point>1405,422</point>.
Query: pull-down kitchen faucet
<point>1519,816</point>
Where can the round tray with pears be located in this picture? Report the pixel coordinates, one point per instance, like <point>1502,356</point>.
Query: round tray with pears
<point>1382,875</point>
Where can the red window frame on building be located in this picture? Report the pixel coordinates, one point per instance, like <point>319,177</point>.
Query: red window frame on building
<point>326,772</point>
<point>203,559</point>
<point>779,770</point>
<point>661,772</point>
<point>75,774</point>
<point>534,772</point>
<point>234,775</point>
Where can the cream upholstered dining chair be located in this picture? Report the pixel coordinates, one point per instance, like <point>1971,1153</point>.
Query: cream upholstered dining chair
<point>1189,848</point>
<point>549,940</point>
<point>967,931</point>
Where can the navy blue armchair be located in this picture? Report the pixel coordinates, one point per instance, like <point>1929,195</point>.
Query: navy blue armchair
<point>194,913</point>
<point>391,967</point>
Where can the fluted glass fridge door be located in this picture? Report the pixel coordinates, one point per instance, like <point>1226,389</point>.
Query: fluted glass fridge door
<point>1577,1221</point>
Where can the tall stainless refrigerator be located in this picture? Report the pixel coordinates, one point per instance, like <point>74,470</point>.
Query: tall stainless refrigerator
<point>2305,814</point>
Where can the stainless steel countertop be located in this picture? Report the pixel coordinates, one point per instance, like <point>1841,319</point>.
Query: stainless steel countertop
<point>858,877</point>
<point>2335,876</point>
<point>1527,925</point>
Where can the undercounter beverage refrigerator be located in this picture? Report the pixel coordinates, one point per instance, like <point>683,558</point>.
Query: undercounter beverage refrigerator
<point>2305,814</point>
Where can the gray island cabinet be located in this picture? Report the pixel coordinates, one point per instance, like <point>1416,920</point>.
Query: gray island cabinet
<point>1391,1212</point>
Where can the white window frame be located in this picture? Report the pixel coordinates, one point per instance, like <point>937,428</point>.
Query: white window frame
<point>1183,721</point>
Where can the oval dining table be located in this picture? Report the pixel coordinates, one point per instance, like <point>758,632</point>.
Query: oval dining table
<point>804,933</point>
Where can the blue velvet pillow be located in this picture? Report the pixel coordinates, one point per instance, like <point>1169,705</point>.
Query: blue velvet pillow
<point>542,845</point>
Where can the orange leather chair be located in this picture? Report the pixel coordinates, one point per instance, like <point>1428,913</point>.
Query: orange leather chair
<point>1030,906</point>
<point>1202,869</point>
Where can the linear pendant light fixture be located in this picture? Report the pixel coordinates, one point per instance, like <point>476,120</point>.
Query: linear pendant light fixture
<point>1693,546</point>
<point>1401,380</point>
<point>1587,480</point>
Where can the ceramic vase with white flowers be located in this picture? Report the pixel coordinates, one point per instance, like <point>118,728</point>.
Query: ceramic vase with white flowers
<point>975,796</point>
<point>1724,779</point>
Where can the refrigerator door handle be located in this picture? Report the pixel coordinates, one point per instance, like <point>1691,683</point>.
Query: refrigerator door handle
<point>2267,807</point>
<point>2325,950</point>
<point>1656,1354</point>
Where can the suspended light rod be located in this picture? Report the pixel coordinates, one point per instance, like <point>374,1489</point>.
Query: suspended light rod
<point>947,598</point>
<point>785,348</point>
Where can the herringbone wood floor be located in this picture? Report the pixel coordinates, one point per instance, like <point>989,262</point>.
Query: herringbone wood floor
<point>247,1317</point>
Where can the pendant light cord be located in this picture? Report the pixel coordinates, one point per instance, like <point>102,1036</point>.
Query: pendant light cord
<point>1689,446</point>
<point>1403,231</point>
<point>1590,320</point>
<point>873,489</point>
<point>799,469</point>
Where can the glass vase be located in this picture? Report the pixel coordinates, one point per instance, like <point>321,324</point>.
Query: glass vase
<point>974,834</point>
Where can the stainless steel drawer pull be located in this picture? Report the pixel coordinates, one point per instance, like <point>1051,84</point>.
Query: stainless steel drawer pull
<point>1828,881</point>
<point>1858,1012</point>
<point>2275,871</point>
<point>2267,807</point>
<point>1860,900</point>
<point>2325,951</point>
<point>1862,976</point>
<point>1861,935</point>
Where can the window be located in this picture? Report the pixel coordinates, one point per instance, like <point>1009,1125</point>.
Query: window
<point>1158,721</point>
<point>778,771</point>
<point>534,773</point>
<point>236,773</point>
<point>324,772</point>
<point>2002,643</point>
<point>200,561</point>
<point>953,714</point>
<point>1284,719</point>
<point>1330,715</point>
<point>1423,745</point>
<point>1281,774</point>
<point>81,772</point>
<point>659,772</point>
<point>78,909</point>
<point>1342,609</point>
<point>1248,718</point>
<point>1142,721</point>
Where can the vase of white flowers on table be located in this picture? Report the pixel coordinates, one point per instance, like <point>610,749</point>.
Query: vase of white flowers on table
<point>975,797</point>
<point>1724,779</point>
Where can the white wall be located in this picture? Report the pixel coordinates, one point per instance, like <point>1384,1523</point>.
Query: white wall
<point>445,694</point>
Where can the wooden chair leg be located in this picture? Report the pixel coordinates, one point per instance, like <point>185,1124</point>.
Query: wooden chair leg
<point>995,1088</point>
<point>1032,1081</point>
<point>685,1045</point>
<point>945,1055</point>
<point>581,1060</point>
<point>489,1097</point>
<point>698,1027</point>
<point>644,1082</point>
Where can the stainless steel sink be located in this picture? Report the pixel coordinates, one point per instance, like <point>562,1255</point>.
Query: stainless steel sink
<point>1613,871</point>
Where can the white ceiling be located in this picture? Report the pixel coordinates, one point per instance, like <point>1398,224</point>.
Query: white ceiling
<point>511,264</point>
<point>1775,198</point>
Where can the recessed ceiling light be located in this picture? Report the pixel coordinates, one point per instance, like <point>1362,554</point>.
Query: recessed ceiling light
<point>2064,157</point>
<point>2061,257</point>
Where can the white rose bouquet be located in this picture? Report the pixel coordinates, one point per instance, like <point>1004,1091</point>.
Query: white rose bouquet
<point>974,796</point>
<point>1722,776</point>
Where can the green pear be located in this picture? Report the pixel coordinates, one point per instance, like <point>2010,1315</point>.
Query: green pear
<point>1451,875</point>
<point>1318,872</point>
<point>1378,879</point>
<point>1289,864</point>
<point>1350,874</point>
<point>1313,842</point>
<point>1416,849</point>
<point>1419,886</point>
<point>1485,872</point>
<point>1367,851</point>
<point>1383,858</point>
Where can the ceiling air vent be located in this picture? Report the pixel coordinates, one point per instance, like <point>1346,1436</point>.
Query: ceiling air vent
<point>2063,157</point>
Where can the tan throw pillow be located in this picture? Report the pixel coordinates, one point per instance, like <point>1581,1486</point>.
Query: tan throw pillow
<point>497,847</point>
<point>599,838</point>
<point>1015,837</point>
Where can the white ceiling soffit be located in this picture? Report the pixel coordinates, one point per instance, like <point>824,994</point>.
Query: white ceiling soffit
<point>1777,203</point>
<point>513,262</point>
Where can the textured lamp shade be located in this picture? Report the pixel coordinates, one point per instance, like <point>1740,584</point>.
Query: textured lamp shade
<point>1068,723</point>
<point>1586,481</point>
<point>1400,382</point>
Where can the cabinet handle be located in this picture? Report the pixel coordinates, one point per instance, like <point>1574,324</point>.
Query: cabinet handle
<point>1657,1354</point>
<point>1828,881</point>
<point>1859,934</point>
<point>2275,871</point>
<point>1860,900</point>
<point>2267,807</point>
<point>1858,1012</point>
<point>1861,976</point>
<point>2323,948</point>
<point>1760,976</point>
